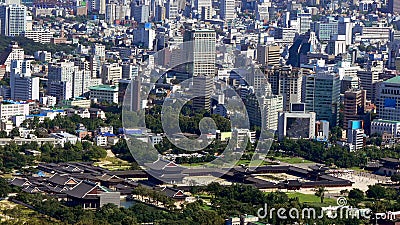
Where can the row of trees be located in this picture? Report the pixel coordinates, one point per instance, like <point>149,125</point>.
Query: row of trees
<point>191,214</point>
<point>30,46</point>
<point>154,197</point>
<point>69,123</point>
<point>245,199</point>
<point>13,157</point>
<point>188,120</point>
<point>334,155</point>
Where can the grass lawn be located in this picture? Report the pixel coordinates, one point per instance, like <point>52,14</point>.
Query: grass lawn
<point>292,160</point>
<point>192,164</point>
<point>206,207</point>
<point>247,162</point>
<point>311,199</point>
<point>113,163</point>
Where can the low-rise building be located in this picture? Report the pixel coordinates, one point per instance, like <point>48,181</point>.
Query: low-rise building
<point>380,126</point>
<point>64,137</point>
<point>106,93</point>
<point>8,109</point>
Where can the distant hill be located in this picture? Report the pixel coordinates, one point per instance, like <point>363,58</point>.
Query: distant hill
<point>30,46</point>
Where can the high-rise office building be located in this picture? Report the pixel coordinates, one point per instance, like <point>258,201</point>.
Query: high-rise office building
<point>203,89</point>
<point>354,104</point>
<point>204,51</point>
<point>297,123</point>
<point>264,109</point>
<point>388,99</point>
<point>322,96</point>
<point>369,76</point>
<point>287,82</point>
<point>110,13</point>
<point>324,31</point>
<point>268,55</point>
<point>304,22</point>
<point>140,13</point>
<point>12,20</point>
<point>355,134</point>
<point>345,27</point>
<point>129,92</point>
<point>227,10</point>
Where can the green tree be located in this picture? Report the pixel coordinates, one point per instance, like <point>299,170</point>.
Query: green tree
<point>320,192</point>
<point>395,178</point>
<point>356,195</point>
<point>376,191</point>
<point>14,132</point>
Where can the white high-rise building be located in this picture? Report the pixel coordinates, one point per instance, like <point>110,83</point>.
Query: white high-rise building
<point>171,9</point>
<point>99,50</point>
<point>110,13</point>
<point>355,134</point>
<point>228,10</point>
<point>369,76</point>
<point>264,110</point>
<point>198,4</point>
<point>262,12</point>
<point>13,52</point>
<point>111,73</point>
<point>23,86</point>
<point>304,22</point>
<point>345,27</point>
<point>12,20</point>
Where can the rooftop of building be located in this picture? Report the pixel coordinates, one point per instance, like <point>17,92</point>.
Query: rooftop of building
<point>395,80</point>
<point>386,121</point>
<point>104,87</point>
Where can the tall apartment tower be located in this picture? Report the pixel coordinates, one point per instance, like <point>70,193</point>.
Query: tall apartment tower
<point>12,20</point>
<point>228,10</point>
<point>65,80</point>
<point>322,96</point>
<point>23,86</point>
